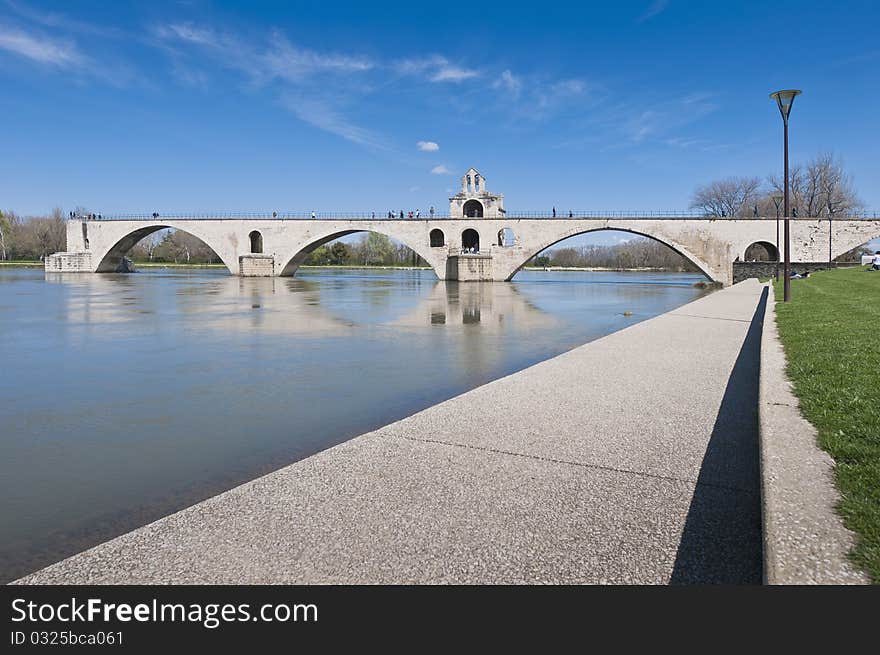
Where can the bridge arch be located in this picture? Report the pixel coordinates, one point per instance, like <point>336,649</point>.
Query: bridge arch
<point>761,251</point>
<point>289,264</point>
<point>861,237</point>
<point>110,260</point>
<point>702,265</point>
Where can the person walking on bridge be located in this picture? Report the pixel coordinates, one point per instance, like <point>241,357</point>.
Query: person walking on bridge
<point>431,211</point>
<point>554,212</point>
<point>313,216</point>
<point>418,213</point>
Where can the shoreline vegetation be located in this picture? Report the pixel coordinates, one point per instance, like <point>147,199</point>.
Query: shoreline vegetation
<point>829,333</point>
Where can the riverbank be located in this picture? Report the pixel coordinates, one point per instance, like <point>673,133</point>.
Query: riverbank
<point>830,334</point>
<point>632,458</point>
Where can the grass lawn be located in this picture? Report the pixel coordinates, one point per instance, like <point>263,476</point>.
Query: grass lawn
<point>831,334</point>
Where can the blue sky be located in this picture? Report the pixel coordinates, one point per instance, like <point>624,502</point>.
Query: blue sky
<point>195,106</point>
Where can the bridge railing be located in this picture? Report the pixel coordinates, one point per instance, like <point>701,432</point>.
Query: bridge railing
<point>383,216</point>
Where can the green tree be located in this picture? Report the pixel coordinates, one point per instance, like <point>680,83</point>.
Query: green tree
<point>338,254</point>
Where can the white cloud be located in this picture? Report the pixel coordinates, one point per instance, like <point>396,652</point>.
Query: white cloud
<point>435,68</point>
<point>509,82</point>
<point>279,59</point>
<point>293,63</point>
<point>656,7</point>
<point>569,87</point>
<point>191,34</point>
<point>428,146</point>
<point>453,74</point>
<point>41,49</point>
<point>440,169</point>
<point>321,115</point>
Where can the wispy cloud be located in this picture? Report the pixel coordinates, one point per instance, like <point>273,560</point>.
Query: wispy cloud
<point>435,68</point>
<point>41,49</point>
<point>57,20</point>
<point>666,116</point>
<point>428,146</point>
<point>300,74</point>
<point>508,82</point>
<point>657,7</point>
<point>293,63</point>
<point>321,114</point>
<point>440,169</point>
<point>453,74</point>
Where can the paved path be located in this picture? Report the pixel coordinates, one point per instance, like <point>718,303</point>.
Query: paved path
<point>631,459</point>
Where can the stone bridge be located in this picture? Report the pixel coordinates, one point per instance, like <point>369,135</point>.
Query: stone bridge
<point>497,247</point>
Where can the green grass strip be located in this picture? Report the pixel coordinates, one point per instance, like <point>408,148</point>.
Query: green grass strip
<point>831,334</point>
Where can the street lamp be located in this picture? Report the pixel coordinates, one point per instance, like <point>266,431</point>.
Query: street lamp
<point>785,99</point>
<point>776,200</point>
<point>830,216</point>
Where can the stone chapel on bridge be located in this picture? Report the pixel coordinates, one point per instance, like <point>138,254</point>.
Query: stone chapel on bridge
<point>473,201</point>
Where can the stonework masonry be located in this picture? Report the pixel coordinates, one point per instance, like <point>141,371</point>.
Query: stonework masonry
<point>712,244</point>
<point>469,268</point>
<point>68,262</point>
<point>256,265</point>
<point>745,270</point>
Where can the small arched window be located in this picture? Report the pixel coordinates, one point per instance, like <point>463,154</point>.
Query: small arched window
<point>256,242</point>
<point>506,237</point>
<point>438,240</point>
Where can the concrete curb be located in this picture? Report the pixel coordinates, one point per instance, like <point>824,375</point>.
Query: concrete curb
<point>805,541</point>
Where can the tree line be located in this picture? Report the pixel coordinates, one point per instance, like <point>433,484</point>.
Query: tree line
<point>31,238</point>
<point>373,249</point>
<point>637,253</point>
<point>821,188</point>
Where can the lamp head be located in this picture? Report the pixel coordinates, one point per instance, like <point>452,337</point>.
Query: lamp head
<point>784,99</point>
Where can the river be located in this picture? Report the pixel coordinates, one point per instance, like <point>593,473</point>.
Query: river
<point>126,397</point>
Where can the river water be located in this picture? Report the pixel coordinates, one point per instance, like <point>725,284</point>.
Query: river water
<point>126,397</point>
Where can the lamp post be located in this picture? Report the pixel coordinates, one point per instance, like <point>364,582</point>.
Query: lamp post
<point>784,99</point>
<point>830,216</point>
<point>776,200</point>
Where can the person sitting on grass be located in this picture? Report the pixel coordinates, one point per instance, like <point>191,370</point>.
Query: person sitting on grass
<point>876,265</point>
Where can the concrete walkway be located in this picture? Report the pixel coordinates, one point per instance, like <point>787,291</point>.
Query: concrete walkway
<point>632,459</point>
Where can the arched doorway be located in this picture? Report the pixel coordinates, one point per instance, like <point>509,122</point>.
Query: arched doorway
<point>470,240</point>
<point>437,239</point>
<point>473,209</point>
<point>256,242</point>
<point>761,251</point>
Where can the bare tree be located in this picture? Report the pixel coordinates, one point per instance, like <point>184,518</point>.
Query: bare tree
<point>731,197</point>
<point>5,236</point>
<point>820,189</point>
